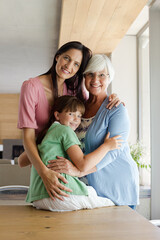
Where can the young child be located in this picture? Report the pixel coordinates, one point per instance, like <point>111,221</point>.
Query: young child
<point>59,139</point>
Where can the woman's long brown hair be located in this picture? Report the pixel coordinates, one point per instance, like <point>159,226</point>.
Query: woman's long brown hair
<point>73,83</point>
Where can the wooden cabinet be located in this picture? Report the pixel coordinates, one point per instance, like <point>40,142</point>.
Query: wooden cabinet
<point>9,117</point>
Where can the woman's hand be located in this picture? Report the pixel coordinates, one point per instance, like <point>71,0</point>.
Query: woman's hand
<point>49,178</point>
<point>114,101</point>
<point>114,142</point>
<point>63,165</point>
<point>53,186</point>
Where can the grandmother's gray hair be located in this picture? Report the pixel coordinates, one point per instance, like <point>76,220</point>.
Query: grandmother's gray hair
<point>97,63</point>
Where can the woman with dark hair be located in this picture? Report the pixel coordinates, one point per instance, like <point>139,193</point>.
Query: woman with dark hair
<point>73,83</point>
<point>36,99</point>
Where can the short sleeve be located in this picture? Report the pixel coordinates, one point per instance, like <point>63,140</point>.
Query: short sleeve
<point>27,106</point>
<point>69,138</point>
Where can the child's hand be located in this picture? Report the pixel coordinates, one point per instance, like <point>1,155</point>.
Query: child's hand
<point>114,142</point>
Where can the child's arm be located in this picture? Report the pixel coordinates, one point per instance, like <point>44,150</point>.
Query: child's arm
<point>87,162</point>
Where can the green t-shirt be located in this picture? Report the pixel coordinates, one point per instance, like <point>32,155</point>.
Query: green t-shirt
<point>55,143</point>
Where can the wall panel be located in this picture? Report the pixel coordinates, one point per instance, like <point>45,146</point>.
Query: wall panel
<point>9,117</point>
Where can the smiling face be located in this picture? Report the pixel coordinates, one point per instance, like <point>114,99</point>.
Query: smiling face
<point>96,83</point>
<point>68,63</point>
<point>71,119</point>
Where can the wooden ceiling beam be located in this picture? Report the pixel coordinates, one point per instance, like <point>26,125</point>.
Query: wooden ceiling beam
<point>99,24</point>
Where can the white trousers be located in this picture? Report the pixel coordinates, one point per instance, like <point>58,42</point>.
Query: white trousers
<point>73,202</point>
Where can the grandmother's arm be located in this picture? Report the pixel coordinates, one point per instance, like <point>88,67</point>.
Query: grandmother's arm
<point>118,124</point>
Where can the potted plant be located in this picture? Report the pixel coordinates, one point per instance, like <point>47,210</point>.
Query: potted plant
<point>138,153</point>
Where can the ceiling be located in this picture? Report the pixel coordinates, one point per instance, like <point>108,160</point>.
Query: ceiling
<point>98,24</point>
<point>31,31</point>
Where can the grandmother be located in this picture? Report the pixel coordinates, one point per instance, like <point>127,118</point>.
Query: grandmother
<point>116,177</point>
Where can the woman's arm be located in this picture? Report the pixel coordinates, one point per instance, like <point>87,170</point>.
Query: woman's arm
<point>23,160</point>
<point>50,178</point>
<point>86,162</point>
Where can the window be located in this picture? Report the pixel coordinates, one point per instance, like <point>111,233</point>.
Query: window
<point>144,100</point>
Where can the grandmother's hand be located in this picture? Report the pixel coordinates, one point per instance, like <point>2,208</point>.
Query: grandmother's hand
<point>63,165</point>
<point>114,101</point>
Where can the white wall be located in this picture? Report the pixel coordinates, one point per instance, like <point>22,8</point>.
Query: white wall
<point>28,41</point>
<point>124,60</point>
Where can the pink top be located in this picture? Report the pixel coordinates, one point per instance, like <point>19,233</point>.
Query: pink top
<point>34,108</point>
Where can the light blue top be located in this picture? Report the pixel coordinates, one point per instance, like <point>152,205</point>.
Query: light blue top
<point>117,176</point>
